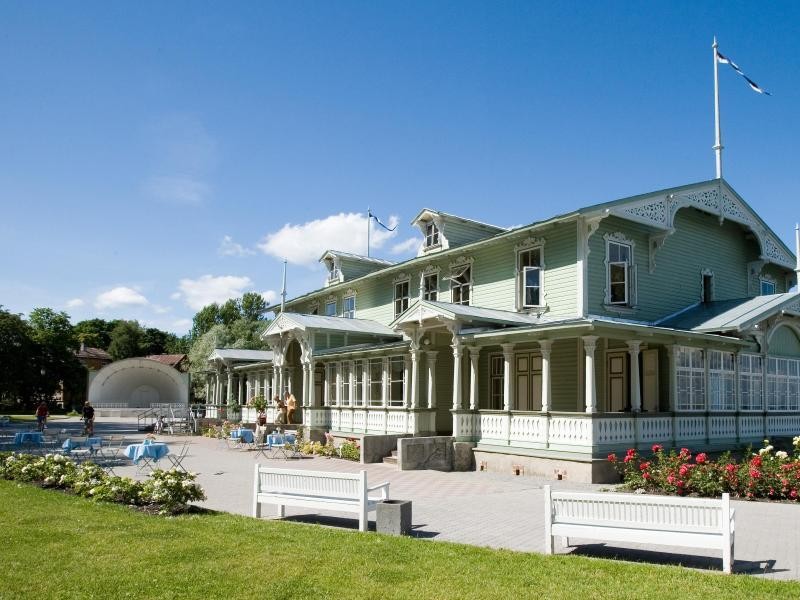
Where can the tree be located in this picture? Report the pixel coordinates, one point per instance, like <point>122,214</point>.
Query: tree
<point>205,319</point>
<point>95,332</point>
<point>154,341</point>
<point>52,329</point>
<point>253,306</point>
<point>126,340</point>
<point>18,357</point>
<point>230,312</point>
<point>57,365</point>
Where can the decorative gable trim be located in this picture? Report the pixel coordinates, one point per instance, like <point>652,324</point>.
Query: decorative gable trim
<point>529,242</point>
<point>401,277</point>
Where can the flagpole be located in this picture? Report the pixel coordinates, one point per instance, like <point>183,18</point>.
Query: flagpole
<point>718,135</point>
<point>369,222</point>
<point>283,291</point>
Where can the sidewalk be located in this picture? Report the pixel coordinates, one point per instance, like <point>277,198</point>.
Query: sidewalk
<point>486,509</point>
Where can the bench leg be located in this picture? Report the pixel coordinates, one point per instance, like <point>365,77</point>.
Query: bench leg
<point>256,509</point>
<point>727,558</point>
<point>281,511</point>
<point>565,541</point>
<point>548,545</point>
<point>362,521</point>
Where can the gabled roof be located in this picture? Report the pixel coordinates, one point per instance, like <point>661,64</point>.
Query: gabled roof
<point>291,321</point>
<point>172,360</point>
<point>358,257</point>
<point>423,310</point>
<point>732,315</point>
<point>240,354</point>
<point>88,352</point>
<point>429,212</point>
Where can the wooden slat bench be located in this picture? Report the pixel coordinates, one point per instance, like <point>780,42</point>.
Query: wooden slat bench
<point>344,492</point>
<point>644,519</point>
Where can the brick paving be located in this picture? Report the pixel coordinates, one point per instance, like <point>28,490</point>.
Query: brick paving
<point>489,509</point>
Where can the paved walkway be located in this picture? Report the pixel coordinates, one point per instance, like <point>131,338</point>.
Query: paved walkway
<point>486,509</point>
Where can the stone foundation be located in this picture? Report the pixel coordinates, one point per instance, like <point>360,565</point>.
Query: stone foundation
<point>555,468</point>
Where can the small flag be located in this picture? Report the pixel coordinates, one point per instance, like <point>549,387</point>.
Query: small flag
<point>371,216</point>
<point>724,60</point>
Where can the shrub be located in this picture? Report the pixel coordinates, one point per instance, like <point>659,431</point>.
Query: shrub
<point>350,450</point>
<point>762,474</point>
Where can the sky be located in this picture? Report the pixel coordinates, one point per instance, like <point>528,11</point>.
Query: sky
<point>158,156</point>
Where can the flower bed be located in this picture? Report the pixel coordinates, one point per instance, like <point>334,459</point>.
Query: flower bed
<point>348,450</point>
<point>763,474</point>
<point>167,492</point>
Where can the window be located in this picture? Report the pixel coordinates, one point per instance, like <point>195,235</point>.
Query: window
<point>460,284</point>
<point>396,381</point>
<point>349,309</point>
<point>691,376</point>
<point>708,287</point>
<point>359,383</point>
<point>721,380</point>
<point>346,370</point>
<point>400,297</point>
<point>767,287</point>
<point>431,235</point>
<point>330,384</point>
<point>529,265</point>
<point>619,261</point>
<point>376,382</point>
<point>751,380</point>
<point>496,379</point>
<point>430,287</point>
<point>783,384</point>
<point>330,308</point>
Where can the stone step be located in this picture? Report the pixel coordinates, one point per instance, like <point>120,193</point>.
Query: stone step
<point>390,460</point>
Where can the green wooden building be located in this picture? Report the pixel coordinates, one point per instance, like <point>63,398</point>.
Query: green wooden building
<point>661,318</point>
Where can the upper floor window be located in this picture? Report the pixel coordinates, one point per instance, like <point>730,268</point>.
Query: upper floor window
<point>431,234</point>
<point>620,273</point>
<point>529,267</point>
<point>461,284</point>
<point>708,286</point>
<point>330,308</point>
<point>430,286</point>
<point>349,308</point>
<point>767,287</point>
<point>400,297</point>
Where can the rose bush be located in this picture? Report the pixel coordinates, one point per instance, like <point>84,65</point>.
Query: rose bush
<point>167,491</point>
<point>763,474</point>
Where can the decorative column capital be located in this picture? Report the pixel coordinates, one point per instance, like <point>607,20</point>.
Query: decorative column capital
<point>508,350</point>
<point>431,356</point>
<point>546,346</point>
<point>589,343</point>
<point>474,353</point>
<point>634,346</point>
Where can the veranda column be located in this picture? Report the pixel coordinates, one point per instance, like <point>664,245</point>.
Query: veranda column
<point>508,372</point>
<point>229,393</point>
<point>456,375</point>
<point>546,346</point>
<point>326,392</point>
<point>352,383</point>
<point>414,395</point>
<point>289,377</point>
<point>240,391</point>
<point>275,382</point>
<point>338,393</point>
<point>312,387</point>
<point>208,390</point>
<point>406,380</point>
<point>474,357</point>
<point>636,392</point>
<point>385,382</point>
<point>431,358</point>
<point>365,382</point>
<point>589,346</point>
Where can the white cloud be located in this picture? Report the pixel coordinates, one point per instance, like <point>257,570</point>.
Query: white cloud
<point>411,244</point>
<point>175,296</point>
<point>304,244</point>
<point>161,310</point>
<point>269,296</point>
<point>197,293</point>
<point>178,189</point>
<point>75,303</point>
<point>228,247</point>
<point>182,325</point>
<point>120,296</point>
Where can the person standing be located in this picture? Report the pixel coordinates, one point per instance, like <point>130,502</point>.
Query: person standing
<point>291,405</point>
<point>41,416</point>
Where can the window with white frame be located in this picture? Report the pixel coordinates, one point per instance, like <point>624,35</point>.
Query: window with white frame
<point>783,384</point>
<point>529,267</point>
<point>461,284</point>
<point>430,286</point>
<point>401,291</point>
<point>330,308</point>
<point>619,257</point>
<point>396,380</point>
<point>431,234</point>
<point>496,381</point>
<point>349,307</point>
<point>690,373</point>
<point>346,369</point>
<point>376,382</point>
<point>721,380</point>
<point>751,378</point>
<point>358,381</point>
<point>767,287</point>
<point>330,383</point>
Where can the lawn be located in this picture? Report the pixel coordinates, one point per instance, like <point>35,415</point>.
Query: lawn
<point>31,418</point>
<point>60,546</point>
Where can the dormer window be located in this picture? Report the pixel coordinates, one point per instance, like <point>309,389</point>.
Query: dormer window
<point>330,308</point>
<point>767,287</point>
<point>431,235</point>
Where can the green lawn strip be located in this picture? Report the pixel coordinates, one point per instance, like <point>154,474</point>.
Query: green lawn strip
<point>30,418</point>
<point>61,546</point>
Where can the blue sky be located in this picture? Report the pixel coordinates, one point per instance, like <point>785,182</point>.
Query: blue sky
<point>157,156</point>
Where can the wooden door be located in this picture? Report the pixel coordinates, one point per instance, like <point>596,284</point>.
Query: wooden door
<point>650,380</point>
<point>617,369</point>
<point>528,374</point>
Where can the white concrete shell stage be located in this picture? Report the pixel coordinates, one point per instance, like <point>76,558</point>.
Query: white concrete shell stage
<point>136,384</point>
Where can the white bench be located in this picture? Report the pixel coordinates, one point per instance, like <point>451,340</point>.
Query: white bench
<point>644,519</point>
<point>343,492</point>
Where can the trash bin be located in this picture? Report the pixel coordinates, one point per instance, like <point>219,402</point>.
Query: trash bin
<point>394,517</point>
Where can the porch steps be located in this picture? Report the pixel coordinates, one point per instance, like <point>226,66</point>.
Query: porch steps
<point>391,460</point>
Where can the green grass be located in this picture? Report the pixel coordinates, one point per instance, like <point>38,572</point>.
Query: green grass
<point>31,418</point>
<point>60,546</point>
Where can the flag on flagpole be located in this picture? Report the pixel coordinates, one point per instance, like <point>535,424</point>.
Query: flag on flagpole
<point>377,220</point>
<point>724,60</point>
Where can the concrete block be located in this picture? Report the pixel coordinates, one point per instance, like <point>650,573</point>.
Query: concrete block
<point>393,517</point>
<point>463,457</point>
<point>434,453</point>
